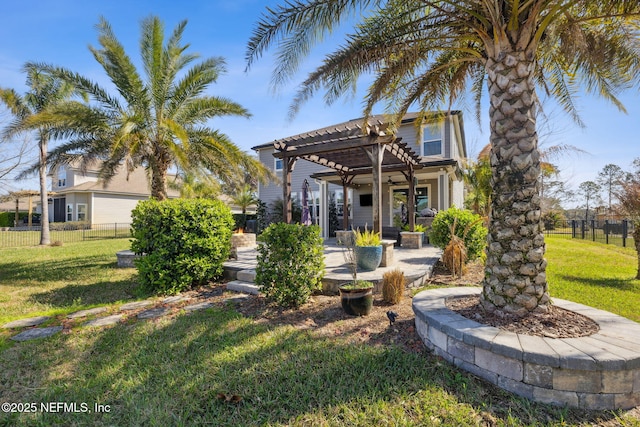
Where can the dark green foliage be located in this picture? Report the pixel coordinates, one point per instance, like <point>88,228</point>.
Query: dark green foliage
<point>262,217</point>
<point>334,224</point>
<point>7,218</point>
<point>240,220</point>
<point>185,242</point>
<point>276,211</point>
<point>290,263</point>
<point>474,238</point>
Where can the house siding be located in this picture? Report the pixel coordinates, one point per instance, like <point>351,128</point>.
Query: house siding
<point>302,170</point>
<point>108,209</point>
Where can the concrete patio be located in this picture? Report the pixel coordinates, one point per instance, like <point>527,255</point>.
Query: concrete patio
<point>416,264</point>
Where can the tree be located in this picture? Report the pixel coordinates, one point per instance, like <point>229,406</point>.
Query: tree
<point>610,178</point>
<point>477,177</point>
<point>243,199</point>
<point>590,192</point>
<point>157,119</point>
<point>31,112</point>
<point>628,193</point>
<point>427,53</point>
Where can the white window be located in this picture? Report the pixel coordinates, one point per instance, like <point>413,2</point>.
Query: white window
<point>69,212</point>
<point>432,141</point>
<point>278,165</point>
<point>82,211</point>
<point>62,176</point>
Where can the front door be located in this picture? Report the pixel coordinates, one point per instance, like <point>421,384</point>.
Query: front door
<point>59,209</point>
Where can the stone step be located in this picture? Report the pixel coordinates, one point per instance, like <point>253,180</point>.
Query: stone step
<point>244,287</point>
<point>246,276</point>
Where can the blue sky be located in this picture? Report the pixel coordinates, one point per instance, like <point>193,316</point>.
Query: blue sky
<point>60,32</point>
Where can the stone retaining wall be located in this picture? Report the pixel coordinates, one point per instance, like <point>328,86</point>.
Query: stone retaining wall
<point>243,240</point>
<point>600,371</point>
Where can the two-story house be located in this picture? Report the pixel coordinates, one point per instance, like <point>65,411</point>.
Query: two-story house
<point>80,195</point>
<point>435,151</point>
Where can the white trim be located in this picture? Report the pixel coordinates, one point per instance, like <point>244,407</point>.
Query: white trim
<point>86,211</point>
<point>422,141</point>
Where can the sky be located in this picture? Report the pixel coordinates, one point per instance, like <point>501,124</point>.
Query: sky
<point>60,32</point>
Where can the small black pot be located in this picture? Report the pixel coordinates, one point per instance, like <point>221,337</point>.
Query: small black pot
<point>357,302</point>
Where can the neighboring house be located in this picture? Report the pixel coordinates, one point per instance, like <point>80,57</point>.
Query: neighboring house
<point>439,149</point>
<point>82,196</point>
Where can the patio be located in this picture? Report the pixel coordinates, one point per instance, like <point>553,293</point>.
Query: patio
<point>416,264</point>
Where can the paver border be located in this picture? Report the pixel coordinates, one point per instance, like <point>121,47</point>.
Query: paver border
<point>600,371</point>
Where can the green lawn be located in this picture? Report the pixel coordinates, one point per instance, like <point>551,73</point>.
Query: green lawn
<point>170,371</point>
<point>55,280</point>
<point>594,274</point>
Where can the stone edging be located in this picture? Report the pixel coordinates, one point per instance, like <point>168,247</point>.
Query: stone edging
<point>600,372</point>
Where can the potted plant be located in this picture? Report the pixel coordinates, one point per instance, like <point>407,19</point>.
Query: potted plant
<point>368,250</point>
<point>356,296</point>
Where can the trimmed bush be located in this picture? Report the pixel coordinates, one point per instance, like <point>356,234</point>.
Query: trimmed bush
<point>184,242</point>
<point>474,237</point>
<point>290,263</point>
<point>7,218</point>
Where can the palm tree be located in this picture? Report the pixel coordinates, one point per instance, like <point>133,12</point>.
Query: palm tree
<point>477,177</point>
<point>245,198</point>
<point>157,119</point>
<point>191,187</point>
<point>428,53</point>
<point>30,111</point>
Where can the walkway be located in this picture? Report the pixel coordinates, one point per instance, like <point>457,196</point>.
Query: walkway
<point>416,264</point>
<point>152,308</point>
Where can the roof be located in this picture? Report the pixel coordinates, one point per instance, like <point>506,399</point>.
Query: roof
<point>137,183</point>
<point>382,119</point>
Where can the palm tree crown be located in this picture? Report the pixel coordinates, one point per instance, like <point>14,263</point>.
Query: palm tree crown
<point>158,118</point>
<point>429,53</point>
<point>29,111</point>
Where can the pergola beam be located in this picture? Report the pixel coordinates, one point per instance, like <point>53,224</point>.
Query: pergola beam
<point>339,149</point>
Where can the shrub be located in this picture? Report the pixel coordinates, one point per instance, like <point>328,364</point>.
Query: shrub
<point>290,263</point>
<point>184,242</point>
<point>474,239</point>
<point>393,283</point>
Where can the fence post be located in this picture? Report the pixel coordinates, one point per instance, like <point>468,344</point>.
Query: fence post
<point>593,230</point>
<point>573,228</point>
<point>115,230</point>
<point>624,233</point>
<point>606,231</point>
<point>583,226</point>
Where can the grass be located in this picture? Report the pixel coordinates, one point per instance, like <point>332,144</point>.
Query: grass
<point>594,274</point>
<point>57,280</point>
<point>171,371</point>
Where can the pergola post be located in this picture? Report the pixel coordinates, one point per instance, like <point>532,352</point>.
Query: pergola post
<point>411,198</point>
<point>376,155</point>
<point>287,167</point>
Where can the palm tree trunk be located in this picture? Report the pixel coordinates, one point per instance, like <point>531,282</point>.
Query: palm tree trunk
<point>515,279</point>
<point>159,177</point>
<point>45,237</point>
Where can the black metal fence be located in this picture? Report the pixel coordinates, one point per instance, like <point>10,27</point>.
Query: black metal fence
<point>11,237</point>
<point>604,231</point>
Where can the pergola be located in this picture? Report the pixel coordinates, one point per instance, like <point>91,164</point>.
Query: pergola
<point>351,149</point>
